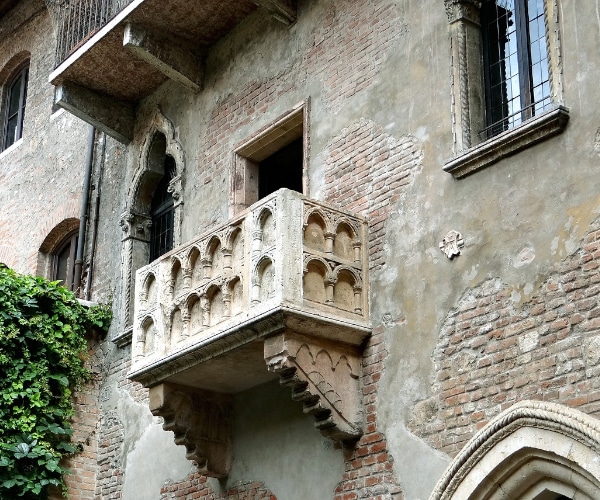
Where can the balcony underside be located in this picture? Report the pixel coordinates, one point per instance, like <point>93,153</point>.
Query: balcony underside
<point>234,360</point>
<point>148,42</point>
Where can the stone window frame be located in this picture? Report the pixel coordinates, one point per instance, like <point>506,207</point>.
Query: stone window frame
<point>468,95</point>
<point>271,138</point>
<point>135,222</point>
<point>17,66</point>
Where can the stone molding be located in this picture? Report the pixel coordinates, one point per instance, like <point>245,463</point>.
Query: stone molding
<point>573,426</point>
<point>493,150</point>
<point>136,222</point>
<point>324,377</point>
<point>201,421</point>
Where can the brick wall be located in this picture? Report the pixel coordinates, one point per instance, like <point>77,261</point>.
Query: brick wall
<point>366,172</point>
<point>196,486</point>
<point>369,467</point>
<point>110,468</point>
<point>493,352</point>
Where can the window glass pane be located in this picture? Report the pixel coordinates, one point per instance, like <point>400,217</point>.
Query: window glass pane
<point>65,262</point>
<point>162,213</point>
<point>11,131</point>
<point>14,108</point>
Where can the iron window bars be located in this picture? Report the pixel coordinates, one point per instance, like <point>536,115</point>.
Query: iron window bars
<point>516,71</point>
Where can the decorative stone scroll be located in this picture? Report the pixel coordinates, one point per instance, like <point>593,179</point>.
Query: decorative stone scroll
<point>324,377</point>
<point>201,421</point>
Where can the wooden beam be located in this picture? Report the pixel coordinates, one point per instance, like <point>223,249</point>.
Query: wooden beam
<point>282,10</point>
<point>176,59</point>
<point>106,113</point>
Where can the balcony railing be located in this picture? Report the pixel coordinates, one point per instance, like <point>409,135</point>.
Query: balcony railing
<point>77,20</point>
<point>287,262</point>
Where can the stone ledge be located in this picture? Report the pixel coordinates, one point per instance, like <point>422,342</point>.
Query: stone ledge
<point>123,339</point>
<point>507,143</point>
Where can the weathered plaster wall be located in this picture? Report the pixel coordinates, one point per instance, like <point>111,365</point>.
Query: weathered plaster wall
<point>376,73</point>
<point>49,158</point>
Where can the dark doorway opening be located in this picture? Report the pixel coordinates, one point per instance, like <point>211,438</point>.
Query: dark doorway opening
<point>283,169</point>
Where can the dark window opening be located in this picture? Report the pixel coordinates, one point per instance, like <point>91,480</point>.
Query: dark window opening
<point>14,107</point>
<point>516,71</point>
<point>283,169</point>
<point>64,261</point>
<point>162,212</point>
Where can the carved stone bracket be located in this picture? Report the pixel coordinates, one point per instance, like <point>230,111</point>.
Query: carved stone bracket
<point>201,421</point>
<point>324,376</point>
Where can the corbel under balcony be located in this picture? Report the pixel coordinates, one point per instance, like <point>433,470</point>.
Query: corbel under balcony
<point>280,291</point>
<point>113,53</point>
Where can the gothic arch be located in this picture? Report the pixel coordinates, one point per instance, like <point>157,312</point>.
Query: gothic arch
<point>157,142</point>
<point>534,450</point>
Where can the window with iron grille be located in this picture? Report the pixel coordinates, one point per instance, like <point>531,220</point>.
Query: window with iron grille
<point>506,79</point>
<point>517,80</point>
<point>162,212</point>
<point>14,107</point>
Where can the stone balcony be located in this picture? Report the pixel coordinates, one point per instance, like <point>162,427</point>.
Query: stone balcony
<point>113,53</point>
<point>280,290</point>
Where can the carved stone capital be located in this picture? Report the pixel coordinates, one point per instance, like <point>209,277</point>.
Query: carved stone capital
<point>201,421</point>
<point>324,376</point>
<point>467,10</point>
<point>135,225</point>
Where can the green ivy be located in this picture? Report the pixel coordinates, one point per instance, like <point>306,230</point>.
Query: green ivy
<point>42,361</point>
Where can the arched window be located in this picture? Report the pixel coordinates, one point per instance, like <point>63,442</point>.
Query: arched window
<point>162,213</point>
<point>56,257</point>
<point>63,261</point>
<point>15,98</point>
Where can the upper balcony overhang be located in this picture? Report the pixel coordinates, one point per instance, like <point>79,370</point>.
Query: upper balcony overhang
<point>113,53</point>
<point>280,290</point>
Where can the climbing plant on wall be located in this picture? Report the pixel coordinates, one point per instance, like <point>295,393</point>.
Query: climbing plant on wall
<point>42,361</point>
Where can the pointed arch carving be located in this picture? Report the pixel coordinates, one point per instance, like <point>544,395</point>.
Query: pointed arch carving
<point>530,449</point>
<point>324,376</point>
<point>157,138</point>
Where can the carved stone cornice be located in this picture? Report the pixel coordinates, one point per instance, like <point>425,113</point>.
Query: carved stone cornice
<point>462,10</point>
<point>201,421</point>
<point>324,376</point>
